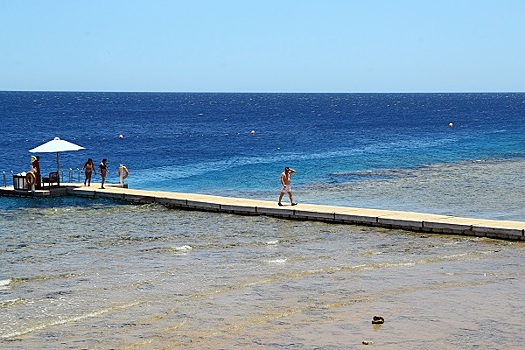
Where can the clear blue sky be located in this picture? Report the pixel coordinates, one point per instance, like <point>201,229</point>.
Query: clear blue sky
<point>263,45</point>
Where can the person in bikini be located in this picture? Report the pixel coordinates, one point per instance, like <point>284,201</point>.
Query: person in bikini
<point>286,185</point>
<point>103,169</point>
<point>35,163</point>
<point>89,169</point>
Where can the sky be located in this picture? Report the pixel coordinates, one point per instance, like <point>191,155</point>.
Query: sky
<point>349,46</point>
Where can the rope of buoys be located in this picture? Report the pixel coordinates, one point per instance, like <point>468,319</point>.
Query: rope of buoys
<point>30,178</point>
<point>124,171</point>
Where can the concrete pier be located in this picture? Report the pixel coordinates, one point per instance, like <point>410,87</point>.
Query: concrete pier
<point>419,222</point>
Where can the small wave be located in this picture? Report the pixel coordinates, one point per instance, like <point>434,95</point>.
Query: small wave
<point>371,253</point>
<point>4,284</point>
<point>274,242</point>
<point>17,280</point>
<point>277,261</point>
<point>72,319</point>
<point>9,302</point>
<point>183,248</point>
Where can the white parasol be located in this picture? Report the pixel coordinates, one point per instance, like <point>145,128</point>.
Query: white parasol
<point>56,145</point>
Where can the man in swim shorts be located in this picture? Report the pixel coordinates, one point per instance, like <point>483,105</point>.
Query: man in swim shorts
<point>286,185</point>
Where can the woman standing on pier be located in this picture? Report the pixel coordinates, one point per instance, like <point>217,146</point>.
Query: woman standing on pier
<point>89,169</point>
<point>35,163</point>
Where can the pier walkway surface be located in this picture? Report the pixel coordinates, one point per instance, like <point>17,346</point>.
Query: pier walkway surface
<point>419,222</point>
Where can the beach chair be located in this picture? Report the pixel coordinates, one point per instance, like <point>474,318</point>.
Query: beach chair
<point>52,179</point>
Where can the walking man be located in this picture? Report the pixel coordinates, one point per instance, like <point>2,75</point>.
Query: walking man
<point>285,185</point>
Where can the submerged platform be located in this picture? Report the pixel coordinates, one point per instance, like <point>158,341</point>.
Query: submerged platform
<point>412,221</point>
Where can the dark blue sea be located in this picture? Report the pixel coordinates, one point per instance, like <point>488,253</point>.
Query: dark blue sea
<point>96,274</point>
<point>237,144</point>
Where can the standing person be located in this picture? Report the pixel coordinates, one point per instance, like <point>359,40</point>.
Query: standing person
<point>35,163</point>
<point>89,169</point>
<point>285,185</point>
<point>103,168</point>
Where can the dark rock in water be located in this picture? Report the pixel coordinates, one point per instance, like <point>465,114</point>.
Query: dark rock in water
<point>378,320</point>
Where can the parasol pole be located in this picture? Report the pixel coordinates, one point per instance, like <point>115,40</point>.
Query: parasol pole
<point>58,168</point>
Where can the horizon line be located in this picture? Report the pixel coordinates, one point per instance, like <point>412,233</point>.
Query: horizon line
<point>271,92</point>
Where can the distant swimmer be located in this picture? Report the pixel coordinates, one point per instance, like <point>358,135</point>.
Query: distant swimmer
<point>286,185</point>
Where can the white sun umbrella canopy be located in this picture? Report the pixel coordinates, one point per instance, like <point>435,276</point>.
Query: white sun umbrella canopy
<point>56,146</point>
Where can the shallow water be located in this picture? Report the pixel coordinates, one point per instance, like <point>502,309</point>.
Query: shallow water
<point>98,276</point>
